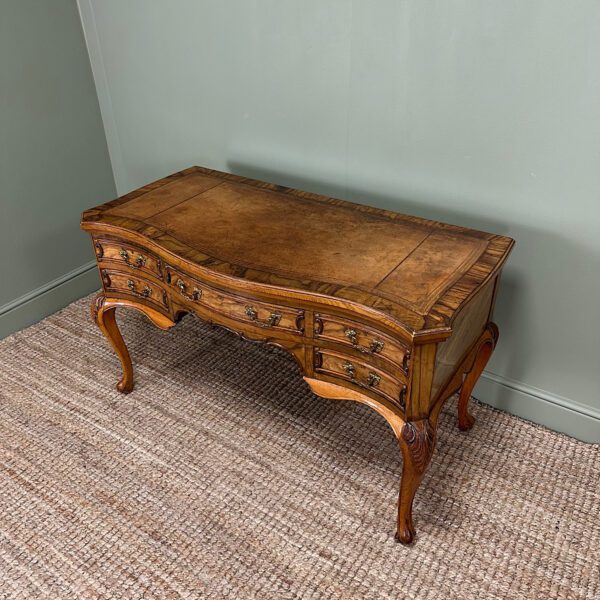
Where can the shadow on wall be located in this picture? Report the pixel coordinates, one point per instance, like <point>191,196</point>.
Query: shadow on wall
<point>514,302</point>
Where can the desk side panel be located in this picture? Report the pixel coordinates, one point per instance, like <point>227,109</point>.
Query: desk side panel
<point>467,327</point>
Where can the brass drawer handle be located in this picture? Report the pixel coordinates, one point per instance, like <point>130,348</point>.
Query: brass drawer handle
<point>251,313</point>
<point>140,261</point>
<point>373,379</point>
<point>376,346</point>
<point>145,293</point>
<point>352,336</point>
<point>350,369</point>
<point>272,321</point>
<point>196,292</point>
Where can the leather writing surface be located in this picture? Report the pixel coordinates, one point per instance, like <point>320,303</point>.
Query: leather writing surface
<point>165,196</point>
<point>255,228</point>
<point>415,271</point>
<point>431,268</point>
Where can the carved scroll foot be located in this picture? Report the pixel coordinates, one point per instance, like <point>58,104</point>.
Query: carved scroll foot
<point>103,313</point>
<point>417,441</point>
<point>484,352</point>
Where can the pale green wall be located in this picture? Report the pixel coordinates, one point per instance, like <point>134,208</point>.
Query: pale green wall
<point>481,113</point>
<point>53,159</point>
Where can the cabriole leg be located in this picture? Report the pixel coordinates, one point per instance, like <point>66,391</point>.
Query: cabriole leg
<point>486,348</point>
<point>104,316</point>
<point>417,441</point>
<point>103,313</point>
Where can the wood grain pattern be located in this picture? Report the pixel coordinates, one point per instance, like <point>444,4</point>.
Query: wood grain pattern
<point>467,327</point>
<point>122,254</point>
<point>357,372</point>
<point>417,441</point>
<point>247,310</point>
<point>367,340</point>
<point>377,307</point>
<point>261,218</point>
<point>483,353</point>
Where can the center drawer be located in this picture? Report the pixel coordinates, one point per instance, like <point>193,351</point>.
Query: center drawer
<point>247,310</point>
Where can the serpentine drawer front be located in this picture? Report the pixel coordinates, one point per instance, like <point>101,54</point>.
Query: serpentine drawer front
<point>361,374</point>
<point>246,310</point>
<point>362,338</point>
<point>378,307</point>
<point>134,285</point>
<point>124,256</point>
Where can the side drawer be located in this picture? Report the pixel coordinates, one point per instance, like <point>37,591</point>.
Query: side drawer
<point>359,373</point>
<point>361,337</point>
<point>127,255</point>
<point>132,284</point>
<point>247,310</point>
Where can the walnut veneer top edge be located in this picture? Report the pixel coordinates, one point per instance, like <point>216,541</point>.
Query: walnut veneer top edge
<point>413,271</point>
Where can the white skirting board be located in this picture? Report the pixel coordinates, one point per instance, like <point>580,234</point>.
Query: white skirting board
<point>533,404</point>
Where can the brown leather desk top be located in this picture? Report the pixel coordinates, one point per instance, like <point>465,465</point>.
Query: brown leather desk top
<point>416,272</point>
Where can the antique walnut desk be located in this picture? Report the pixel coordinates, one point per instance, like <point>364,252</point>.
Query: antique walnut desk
<point>375,306</point>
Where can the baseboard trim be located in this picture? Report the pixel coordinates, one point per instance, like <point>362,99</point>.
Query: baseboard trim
<point>542,407</point>
<point>49,298</point>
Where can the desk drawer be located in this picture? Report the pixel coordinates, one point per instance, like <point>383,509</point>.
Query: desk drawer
<point>134,285</point>
<point>128,255</point>
<point>363,375</point>
<point>365,339</point>
<point>247,310</point>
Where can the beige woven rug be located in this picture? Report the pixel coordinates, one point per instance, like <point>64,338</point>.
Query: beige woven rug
<point>222,476</point>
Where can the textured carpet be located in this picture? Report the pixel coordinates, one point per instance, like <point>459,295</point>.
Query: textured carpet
<point>222,476</point>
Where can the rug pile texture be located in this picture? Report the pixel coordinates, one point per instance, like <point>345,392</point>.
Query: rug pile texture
<point>222,476</point>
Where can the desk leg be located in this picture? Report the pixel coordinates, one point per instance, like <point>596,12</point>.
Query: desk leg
<point>417,441</point>
<point>103,313</point>
<point>104,316</point>
<point>484,352</point>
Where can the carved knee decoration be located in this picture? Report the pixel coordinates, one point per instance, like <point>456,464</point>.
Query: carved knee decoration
<point>417,441</point>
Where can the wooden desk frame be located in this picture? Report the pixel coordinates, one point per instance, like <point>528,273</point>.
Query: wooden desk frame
<point>145,269</point>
